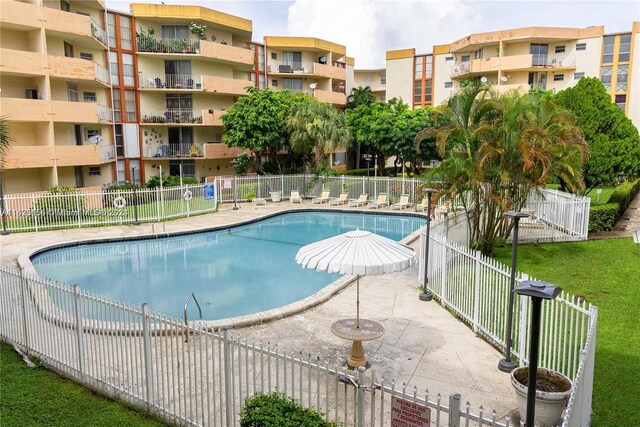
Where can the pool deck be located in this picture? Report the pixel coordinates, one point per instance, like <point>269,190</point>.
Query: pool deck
<point>423,344</point>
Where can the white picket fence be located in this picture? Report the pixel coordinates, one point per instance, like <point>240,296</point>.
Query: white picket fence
<point>187,374</point>
<point>43,211</point>
<point>477,289</point>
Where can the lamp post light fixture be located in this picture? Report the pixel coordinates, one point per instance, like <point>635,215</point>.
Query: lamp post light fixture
<point>426,295</point>
<point>538,291</point>
<point>506,364</point>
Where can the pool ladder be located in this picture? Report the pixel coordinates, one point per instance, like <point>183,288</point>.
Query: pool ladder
<point>186,304</point>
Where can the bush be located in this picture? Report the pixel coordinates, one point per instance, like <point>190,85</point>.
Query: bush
<point>363,172</point>
<point>170,181</point>
<point>59,205</point>
<point>275,410</point>
<point>624,194</point>
<point>604,217</point>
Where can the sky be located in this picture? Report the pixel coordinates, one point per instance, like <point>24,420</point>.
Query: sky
<point>368,28</point>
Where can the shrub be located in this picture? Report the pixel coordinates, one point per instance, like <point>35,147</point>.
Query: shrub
<point>275,410</point>
<point>246,191</point>
<point>59,205</point>
<point>603,217</point>
<point>170,181</point>
<point>624,194</point>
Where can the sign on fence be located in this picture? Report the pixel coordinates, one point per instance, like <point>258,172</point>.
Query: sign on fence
<point>209,191</point>
<point>408,414</point>
<point>226,184</point>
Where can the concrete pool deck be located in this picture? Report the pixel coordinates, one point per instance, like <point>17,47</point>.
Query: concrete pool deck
<point>423,344</point>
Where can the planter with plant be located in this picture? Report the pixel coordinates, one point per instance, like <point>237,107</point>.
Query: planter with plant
<point>552,393</point>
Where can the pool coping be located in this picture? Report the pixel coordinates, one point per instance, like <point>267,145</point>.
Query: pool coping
<point>324,294</point>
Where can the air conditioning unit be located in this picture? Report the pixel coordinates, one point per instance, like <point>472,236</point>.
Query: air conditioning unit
<point>284,68</point>
<point>31,93</point>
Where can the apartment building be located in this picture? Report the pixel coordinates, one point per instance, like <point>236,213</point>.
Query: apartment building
<point>55,94</point>
<point>376,80</point>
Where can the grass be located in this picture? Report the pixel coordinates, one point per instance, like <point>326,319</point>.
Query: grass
<point>607,273</point>
<point>37,397</point>
<point>596,199</point>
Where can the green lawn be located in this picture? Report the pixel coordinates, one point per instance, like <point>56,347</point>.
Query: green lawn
<point>37,397</point>
<point>607,272</point>
<point>593,194</point>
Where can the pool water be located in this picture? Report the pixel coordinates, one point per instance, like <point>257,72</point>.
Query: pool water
<point>241,270</point>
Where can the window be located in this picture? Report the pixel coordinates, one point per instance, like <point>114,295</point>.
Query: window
<point>175,32</point>
<point>448,58</point>
<point>127,69</point>
<point>465,58</point>
<point>578,76</point>
<point>261,58</point>
<point>274,55</point>
<point>294,85</point>
<point>448,85</point>
<point>558,77</point>
<point>383,79</point>
<point>294,59</point>
<point>113,65</point>
<point>188,167</point>
<point>428,67</point>
<point>87,56</point>
<point>621,80</point>
<point>478,54</point>
<point>125,32</point>
<point>274,83</point>
<point>339,158</point>
<point>607,49</point>
<point>427,91</point>
<point>94,171</point>
<point>130,105</point>
<point>89,96</point>
<point>418,67</point>
<point>417,91</point>
<point>68,50</point>
<point>368,80</point>
<point>625,48</point>
<point>119,140</point>
<point>621,101</point>
<point>180,101</point>
<point>261,81</point>
<point>581,47</point>
<point>560,49</point>
<point>72,92</point>
<point>605,77</point>
<point>117,107</point>
<point>540,53</point>
<point>111,28</point>
<point>65,6</point>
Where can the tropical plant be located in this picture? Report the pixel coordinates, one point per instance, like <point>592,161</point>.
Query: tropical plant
<point>199,31</point>
<point>5,139</point>
<point>241,164</point>
<point>315,130</point>
<point>496,148</point>
<point>360,95</point>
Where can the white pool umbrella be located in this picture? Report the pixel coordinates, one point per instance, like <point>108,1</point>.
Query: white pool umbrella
<point>358,252</point>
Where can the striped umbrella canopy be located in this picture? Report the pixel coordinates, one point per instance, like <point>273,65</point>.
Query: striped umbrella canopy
<point>358,252</point>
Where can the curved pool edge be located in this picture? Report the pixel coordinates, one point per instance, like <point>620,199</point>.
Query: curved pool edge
<point>324,294</point>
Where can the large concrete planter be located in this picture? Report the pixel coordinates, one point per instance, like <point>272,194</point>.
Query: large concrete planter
<point>549,405</point>
<point>276,196</point>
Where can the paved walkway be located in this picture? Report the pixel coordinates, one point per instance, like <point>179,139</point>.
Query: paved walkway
<point>423,345</point>
<point>626,225</point>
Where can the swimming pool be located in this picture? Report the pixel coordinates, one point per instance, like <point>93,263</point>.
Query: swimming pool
<point>232,272</point>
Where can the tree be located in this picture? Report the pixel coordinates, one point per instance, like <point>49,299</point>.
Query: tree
<point>360,96</point>
<point>496,148</point>
<point>614,144</point>
<point>257,122</point>
<point>315,130</point>
<point>5,139</point>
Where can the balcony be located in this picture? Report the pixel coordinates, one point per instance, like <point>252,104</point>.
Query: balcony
<point>330,97</point>
<point>20,14</point>
<point>146,44</point>
<point>173,151</point>
<point>80,112</point>
<point>226,53</point>
<point>307,68</point>
<point>212,117</point>
<point>19,62</point>
<point>221,151</point>
<point>25,156</point>
<point>323,70</point>
<point>225,86</point>
<point>77,69</point>
<point>513,63</point>
<point>77,29</point>
<point>172,116</point>
<point>81,155</point>
<point>202,48</point>
<point>25,110</point>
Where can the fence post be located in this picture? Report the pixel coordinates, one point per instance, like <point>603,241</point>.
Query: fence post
<point>227,378</point>
<point>23,285</point>
<point>282,185</point>
<point>78,208</point>
<point>360,390</point>
<point>79,329</point>
<point>443,297</point>
<point>454,410</point>
<point>146,339</point>
<point>35,214</point>
<point>476,291</point>
<point>522,335</point>
<point>158,203</point>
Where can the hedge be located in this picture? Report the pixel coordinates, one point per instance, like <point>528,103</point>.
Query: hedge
<point>276,410</point>
<point>604,217</point>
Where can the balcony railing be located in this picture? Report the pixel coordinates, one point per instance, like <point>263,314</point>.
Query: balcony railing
<point>98,33</point>
<point>185,46</point>
<point>107,152</point>
<point>172,115</point>
<point>171,81</point>
<point>540,85</point>
<point>461,68</point>
<point>101,73</point>
<point>175,150</point>
<point>105,114</point>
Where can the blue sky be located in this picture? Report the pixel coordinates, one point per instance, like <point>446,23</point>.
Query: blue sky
<point>370,27</point>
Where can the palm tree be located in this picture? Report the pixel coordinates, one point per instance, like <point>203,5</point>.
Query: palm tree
<point>5,141</point>
<point>360,95</point>
<point>317,128</point>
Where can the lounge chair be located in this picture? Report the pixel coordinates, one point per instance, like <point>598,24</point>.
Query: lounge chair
<point>336,201</point>
<point>323,198</point>
<point>360,201</point>
<point>257,201</point>
<point>403,203</point>
<point>295,197</point>
<point>422,206</point>
<point>380,202</point>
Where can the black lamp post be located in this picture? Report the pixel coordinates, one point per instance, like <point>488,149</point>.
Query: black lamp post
<point>506,364</point>
<point>426,295</point>
<point>538,291</point>
<point>235,186</point>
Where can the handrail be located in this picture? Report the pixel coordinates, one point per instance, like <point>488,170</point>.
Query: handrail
<point>191,295</point>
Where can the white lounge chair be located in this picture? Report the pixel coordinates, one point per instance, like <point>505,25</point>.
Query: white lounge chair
<point>422,206</point>
<point>403,203</point>
<point>380,202</point>
<point>295,197</point>
<point>323,198</point>
<point>336,201</point>
<point>257,201</point>
<point>360,201</point>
